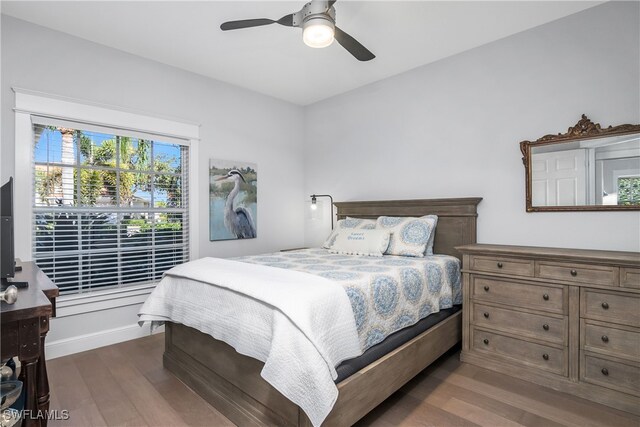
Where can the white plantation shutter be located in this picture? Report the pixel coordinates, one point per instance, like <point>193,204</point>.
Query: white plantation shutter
<point>110,206</point>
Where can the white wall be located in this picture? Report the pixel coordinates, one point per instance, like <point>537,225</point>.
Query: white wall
<point>235,123</point>
<point>451,128</point>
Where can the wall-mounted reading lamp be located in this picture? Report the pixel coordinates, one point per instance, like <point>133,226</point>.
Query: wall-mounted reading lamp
<point>314,204</point>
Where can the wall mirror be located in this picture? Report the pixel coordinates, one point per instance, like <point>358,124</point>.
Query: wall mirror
<point>588,168</point>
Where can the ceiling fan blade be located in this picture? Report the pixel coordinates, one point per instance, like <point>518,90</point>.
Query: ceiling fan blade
<point>353,46</point>
<point>286,20</point>
<point>246,23</point>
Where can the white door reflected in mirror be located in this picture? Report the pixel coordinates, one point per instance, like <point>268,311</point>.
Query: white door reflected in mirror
<point>602,171</point>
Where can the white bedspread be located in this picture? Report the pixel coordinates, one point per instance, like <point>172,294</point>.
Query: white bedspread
<point>301,326</point>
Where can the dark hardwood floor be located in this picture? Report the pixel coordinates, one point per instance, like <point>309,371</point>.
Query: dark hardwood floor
<point>126,385</point>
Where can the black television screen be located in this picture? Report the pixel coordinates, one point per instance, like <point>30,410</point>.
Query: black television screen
<point>7,248</point>
<point>7,257</point>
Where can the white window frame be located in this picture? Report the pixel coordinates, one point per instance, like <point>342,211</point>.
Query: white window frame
<point>28,103</point>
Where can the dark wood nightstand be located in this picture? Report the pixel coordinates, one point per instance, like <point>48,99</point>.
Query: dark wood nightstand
<point>24,327</point>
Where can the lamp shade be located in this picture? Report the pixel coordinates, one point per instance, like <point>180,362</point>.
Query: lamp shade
<point>316,209</point>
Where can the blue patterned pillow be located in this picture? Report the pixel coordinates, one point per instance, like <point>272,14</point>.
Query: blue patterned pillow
<point>433,234</point>
<point>409,236</point>
<point>348,223</point>
<point>359,223</point>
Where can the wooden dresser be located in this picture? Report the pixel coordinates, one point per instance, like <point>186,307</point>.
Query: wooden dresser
<point>565,318</point>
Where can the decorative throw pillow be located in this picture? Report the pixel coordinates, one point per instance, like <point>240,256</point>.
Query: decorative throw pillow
<point>360,242</point>
<point>432,236</point>
<point>361,223</point>
<point>349,223</point>
<point>409,235</point>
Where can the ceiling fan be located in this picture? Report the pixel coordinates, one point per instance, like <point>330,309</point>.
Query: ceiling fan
<point>318,22</point>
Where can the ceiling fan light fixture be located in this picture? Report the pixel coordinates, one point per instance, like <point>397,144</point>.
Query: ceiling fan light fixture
<point>318,32</point>
<point>317,19</point>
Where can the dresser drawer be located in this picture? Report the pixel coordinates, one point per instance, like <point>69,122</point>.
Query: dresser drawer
<point>608,373</point>
<point>630,277</point>
<point>523,352</point>
<point>611,340</point>
<point>517,267</point>
<point>615,307</point>
<point>518,294</point>
<point>574,272</point>
<point>539,326</point>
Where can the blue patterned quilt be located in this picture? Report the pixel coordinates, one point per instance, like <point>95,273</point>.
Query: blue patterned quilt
<point>387,293</point>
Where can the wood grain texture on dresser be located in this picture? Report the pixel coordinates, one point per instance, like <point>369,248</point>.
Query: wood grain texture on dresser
<point>629,259</point>
<point>611,340</point>
<point>574,332</point>
<point>578,272</point>
<point>612,306</point>
<point>545,327</point>
<point>552,359</point>
<point>515,266</point>
<point>589,306</point>
<point>517,293</point>
<point>630,277</point>
<point>618,375</point>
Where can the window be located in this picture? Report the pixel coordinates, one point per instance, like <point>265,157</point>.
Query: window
<point>110,207</point>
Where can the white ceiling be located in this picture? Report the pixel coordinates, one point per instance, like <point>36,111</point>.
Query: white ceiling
<point>273,60</point>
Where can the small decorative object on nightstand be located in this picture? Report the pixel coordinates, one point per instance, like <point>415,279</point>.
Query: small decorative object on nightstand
<point>568,319</point>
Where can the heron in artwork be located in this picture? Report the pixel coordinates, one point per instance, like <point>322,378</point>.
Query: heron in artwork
<point>238,221</point>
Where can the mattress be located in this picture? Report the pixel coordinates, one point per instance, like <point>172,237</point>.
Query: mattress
<point>387,293</point>
<point>393,341</point>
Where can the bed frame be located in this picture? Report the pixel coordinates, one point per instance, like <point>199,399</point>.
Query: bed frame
<point>231,382</point>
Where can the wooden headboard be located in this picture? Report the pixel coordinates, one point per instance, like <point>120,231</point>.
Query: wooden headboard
<point>456,217</point>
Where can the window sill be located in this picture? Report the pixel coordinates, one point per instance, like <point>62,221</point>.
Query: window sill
<point>75,304</point>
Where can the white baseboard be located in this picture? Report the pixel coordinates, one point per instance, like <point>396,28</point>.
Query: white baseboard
<point>98,339</point>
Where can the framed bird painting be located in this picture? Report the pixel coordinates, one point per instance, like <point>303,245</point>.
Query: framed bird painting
<point>233,200</point>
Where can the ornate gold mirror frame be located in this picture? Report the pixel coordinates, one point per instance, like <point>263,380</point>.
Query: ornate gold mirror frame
<point>585,129</point>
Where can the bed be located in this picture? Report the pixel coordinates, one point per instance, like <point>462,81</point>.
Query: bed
<point>232,383</point>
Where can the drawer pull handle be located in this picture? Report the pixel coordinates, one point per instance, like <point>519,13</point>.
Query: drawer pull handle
<point>545,297</point>
<point>499,265</point>
<point>605,305</point>
<point>605,338</point>
<point>574,273</point>
<point>545,356</point>
<point>485,341</point>
<point>605,372</point>
<point>545,327</point>
<point>486,315</point>
<point>486,289</point>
